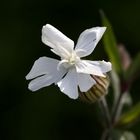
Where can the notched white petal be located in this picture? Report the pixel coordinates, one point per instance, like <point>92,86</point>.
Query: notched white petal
<point>103,65</point>
<point>88,40</point>
<point>46,80</point>
<point>46,73</point>
<point>52,37</point>
<point>44,65</point>
<point>41,82</point>
<point>85,67</point>
<point>68,85</point>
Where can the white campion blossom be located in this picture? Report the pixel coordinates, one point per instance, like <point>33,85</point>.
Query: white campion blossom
<point>70,72</point>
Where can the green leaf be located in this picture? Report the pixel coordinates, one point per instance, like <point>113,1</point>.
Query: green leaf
<point>130,117</point>
<point>133,70</point>
<point>110,44</point>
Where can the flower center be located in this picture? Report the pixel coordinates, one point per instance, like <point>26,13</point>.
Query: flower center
<point>73,59</point>
<point>70,61</point>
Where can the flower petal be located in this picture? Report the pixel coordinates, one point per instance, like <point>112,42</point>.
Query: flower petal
<point>61,51</point>
<point>53,37</point>
<point>45,69</point>
<point>44,81</point>
<point>103,65</point>
<point>93,67</point>
<point>88,40</point>
<point>68,85</point>
<point>44,65</point>
<point>85,82</point>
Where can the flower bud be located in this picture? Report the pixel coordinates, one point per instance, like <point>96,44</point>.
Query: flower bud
<point>125,57</point>
<point>96,91</point>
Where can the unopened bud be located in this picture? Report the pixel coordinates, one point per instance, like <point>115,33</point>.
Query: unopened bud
<point>125,57</point>
<point>96,91</point>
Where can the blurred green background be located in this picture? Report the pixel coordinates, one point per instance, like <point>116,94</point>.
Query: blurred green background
<point>48,114</point>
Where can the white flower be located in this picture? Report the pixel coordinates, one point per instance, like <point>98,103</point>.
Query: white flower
<point>70,72</point>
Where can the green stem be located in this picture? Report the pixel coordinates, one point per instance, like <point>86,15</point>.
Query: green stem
<point>117,109</point>
<point>106,112</point>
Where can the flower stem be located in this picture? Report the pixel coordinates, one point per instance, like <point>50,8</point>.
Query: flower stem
<point>105,111</point>
<point>104,107</point>
<point>117,110</point>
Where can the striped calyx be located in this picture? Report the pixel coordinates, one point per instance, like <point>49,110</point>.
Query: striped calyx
<point>96,91</point>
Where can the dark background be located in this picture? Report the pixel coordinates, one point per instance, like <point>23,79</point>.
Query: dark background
<point>48,114</point>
